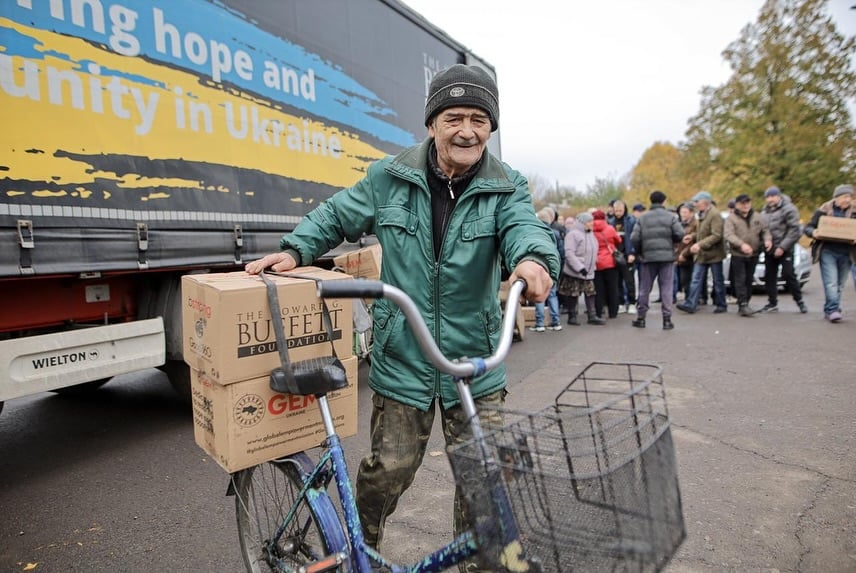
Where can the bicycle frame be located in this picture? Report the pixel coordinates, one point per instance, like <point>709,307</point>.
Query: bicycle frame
<point>464,545</point>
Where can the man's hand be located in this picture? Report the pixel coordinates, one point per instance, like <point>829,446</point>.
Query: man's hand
<point>630,259</point>
<point>695,249</point>
<point>745,249</point>
<point>768,245</point>
<point>538,281</point>
<point>778,252</point>
<point>279,262</point>
<point>687,239</point>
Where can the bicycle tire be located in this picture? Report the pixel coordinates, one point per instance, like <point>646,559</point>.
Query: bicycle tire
<point>263,495</point>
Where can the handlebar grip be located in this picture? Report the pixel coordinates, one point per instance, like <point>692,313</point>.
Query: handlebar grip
<point>350,288</point>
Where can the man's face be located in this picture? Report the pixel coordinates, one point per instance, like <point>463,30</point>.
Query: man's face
<point>843,201</point>
<point>743,207</point>
<point>702,204</point>
<point>619,209</point>
<point>773,200</point>
<point>460,135</point>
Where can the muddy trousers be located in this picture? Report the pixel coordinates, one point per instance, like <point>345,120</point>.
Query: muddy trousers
<point>399,437</point>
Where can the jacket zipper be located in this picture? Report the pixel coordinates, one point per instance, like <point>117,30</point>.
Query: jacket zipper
<point>444,229</point>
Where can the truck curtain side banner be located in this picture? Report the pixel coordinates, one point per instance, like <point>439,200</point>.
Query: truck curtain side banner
<point>185,105</point>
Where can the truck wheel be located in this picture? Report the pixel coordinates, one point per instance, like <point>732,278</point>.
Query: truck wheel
<point>179,378</point>
<point>81,389</point>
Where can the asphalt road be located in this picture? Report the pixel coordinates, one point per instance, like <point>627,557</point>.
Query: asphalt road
<point>763,420</point>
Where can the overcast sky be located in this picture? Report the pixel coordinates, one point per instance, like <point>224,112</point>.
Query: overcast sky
<point>586,88</point>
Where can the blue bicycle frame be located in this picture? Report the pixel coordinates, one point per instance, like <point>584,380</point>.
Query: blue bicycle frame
<point>331,464</point>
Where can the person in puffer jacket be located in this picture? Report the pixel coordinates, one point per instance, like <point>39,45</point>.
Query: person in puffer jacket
<point>783,221</point>
<point>607,275</point>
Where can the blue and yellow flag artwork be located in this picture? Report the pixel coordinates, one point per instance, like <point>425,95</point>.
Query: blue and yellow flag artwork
<point>192,105</point>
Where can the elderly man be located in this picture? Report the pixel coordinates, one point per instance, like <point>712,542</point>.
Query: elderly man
<point>708,248</point>
<point>783,221</point>
<point>746,233</point>
<point>446,212</point>
<point>836,257</point>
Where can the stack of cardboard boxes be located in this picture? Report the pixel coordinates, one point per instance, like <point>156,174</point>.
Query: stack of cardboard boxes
<point>230,345</point>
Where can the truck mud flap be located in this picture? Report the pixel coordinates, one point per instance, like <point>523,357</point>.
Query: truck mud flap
<point>50,361</point>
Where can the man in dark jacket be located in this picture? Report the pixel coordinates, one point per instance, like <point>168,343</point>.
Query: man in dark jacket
<point>783,221</point>
<point>623,223</point>
<point>446,212</point>
<point>654,237</point>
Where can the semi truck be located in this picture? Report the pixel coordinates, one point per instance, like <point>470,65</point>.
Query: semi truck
<point>143,140</point>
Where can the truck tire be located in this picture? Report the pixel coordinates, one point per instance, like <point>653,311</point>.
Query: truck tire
<point>179,378</point>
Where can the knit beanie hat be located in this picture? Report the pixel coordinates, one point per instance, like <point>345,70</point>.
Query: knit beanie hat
<point>460,85</point>
<point>842,190</point>
<point>772,191</point>
<point>658,197</point>
<point>584,217</point>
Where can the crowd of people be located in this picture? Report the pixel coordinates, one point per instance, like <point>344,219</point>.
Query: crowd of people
<point>612,258</point>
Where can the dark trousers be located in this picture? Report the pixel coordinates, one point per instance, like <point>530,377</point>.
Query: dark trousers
<point>665,275</point>
<point>606,288</point>
<point>627,290</point>
<point>743,271</point>
<point>771,276</point>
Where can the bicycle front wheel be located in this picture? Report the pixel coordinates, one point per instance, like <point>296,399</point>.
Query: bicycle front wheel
<point>264,495</point>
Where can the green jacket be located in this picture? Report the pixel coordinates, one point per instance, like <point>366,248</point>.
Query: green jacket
<point>458,295</point>
<point>709,236</point>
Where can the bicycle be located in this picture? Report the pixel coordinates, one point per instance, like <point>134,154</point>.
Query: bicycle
<point>518,480</point>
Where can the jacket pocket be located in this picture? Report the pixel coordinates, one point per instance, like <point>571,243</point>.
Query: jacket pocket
<point>398,217</point>
<point>492,324</point>
<point>478,228</point>
<point>386,321</point>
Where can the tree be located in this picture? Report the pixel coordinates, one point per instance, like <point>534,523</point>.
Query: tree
<point>782,117</point>
<point>602,191</point>
<point>658,168</point>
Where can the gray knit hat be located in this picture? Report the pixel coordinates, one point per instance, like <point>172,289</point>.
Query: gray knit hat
<point>460,85</point>
<point>842,190</point>
<point>585,217</point>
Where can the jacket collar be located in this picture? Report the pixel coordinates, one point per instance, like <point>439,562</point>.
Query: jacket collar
<point>412,164</point>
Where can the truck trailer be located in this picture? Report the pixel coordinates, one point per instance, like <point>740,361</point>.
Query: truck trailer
<point>146,139</point>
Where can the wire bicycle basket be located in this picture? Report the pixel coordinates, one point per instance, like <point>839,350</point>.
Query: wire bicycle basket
<point>591,481</point>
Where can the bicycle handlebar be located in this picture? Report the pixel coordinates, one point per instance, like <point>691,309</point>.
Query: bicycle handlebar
<point>467,367</point>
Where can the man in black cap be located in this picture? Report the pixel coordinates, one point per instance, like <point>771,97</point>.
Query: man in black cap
<point>783,220</point>
<point>746,233</point>
<point>446,212</point>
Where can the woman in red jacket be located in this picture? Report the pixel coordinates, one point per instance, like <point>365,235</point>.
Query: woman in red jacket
<point>606,276</point>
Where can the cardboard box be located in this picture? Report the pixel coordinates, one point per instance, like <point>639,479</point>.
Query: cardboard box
<point>228,334</point>
<point>361,264</point>
<point>246,423</point>
<point>528,313</point>
<point>837,229</point>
